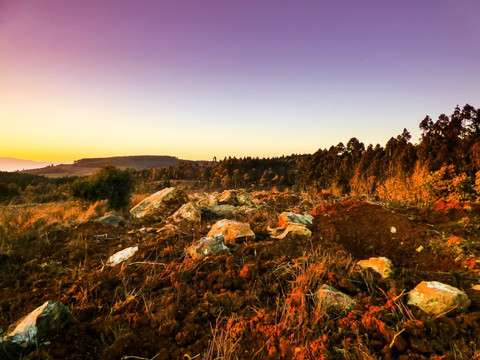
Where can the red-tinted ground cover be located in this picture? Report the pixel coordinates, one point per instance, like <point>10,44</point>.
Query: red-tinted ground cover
<point>258,301</point>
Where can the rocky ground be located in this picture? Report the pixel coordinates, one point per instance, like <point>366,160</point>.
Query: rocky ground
<point>244,275</point>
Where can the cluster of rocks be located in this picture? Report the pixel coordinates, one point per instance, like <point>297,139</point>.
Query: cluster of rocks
<point>172,206</point>
<point>177,213</point>
<point>432,297</point>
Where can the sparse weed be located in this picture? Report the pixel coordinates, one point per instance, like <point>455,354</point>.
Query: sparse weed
<point>222,345</point>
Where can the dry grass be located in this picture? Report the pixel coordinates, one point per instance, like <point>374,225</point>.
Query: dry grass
<point>137,198</point>
<point>222,346</point>
<point>23,222</point>
<point>300,312</point>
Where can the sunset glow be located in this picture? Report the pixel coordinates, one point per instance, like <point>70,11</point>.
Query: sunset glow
<point>213,78</point>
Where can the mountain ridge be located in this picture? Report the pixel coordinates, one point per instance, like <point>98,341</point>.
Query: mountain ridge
<point>15,164</point>
<point>86,166</point>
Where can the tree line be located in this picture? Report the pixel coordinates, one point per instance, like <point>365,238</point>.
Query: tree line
<point>445,163</point>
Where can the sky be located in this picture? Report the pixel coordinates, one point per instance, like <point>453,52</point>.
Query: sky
<point>198,79</point>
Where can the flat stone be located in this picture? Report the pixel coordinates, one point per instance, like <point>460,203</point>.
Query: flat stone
<point>122,256</point>
<point>220,211</point>
<point>232,231</point>
<point>381,265</point>
<point>290,230</point>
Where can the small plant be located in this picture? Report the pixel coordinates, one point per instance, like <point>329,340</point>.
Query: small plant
<point>109,183</point>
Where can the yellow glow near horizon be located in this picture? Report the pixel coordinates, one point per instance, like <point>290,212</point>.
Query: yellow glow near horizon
<point>62,124</point>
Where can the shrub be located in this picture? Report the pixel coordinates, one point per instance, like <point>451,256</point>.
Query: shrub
<point>109,183</point>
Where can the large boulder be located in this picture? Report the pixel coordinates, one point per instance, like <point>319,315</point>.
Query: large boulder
<point>207,246</point>
<point>122,256</point>
<point>189,214</point>
<point>381,265</point>
<point>34,328</point>
<point>160,205</point>
<point>286,218</point>
<point>331,300</point>
<point>232,231</point>
<point>436,298</point>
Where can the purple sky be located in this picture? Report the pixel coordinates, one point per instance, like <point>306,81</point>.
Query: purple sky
<point>198,79</point>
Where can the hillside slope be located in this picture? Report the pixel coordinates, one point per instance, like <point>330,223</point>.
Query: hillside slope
<point>87,166</point>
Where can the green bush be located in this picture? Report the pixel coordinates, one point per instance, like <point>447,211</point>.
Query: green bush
<point>109,183</point>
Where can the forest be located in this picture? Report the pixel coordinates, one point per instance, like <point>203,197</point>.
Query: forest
<point>444,164</point>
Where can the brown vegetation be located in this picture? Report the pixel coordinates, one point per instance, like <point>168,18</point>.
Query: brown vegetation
<point>258,301</point>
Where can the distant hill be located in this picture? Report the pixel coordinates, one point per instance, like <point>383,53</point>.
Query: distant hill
<point>12,164</point>
<point>87,166</point>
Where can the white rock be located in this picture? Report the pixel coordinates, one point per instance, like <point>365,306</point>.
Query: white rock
<point>393,230</point>
<point>121,256</point>
<point>188,213</point>
<point>437,298</point>
<point>160,205</point>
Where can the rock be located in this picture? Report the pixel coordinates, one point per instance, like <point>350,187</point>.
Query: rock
<point>235,197</point>
<point>436,298</point>
<point>218,211</point>
<point>32,330</point>
<point>121,256</point>
<point>381,265</point>
<point>228,197</point>
<point>286,218</point>
<point>207,246</point>
<point>331,300</point>
<point>393,230</point>
<point>244,198</point>
<point>111,220</point>
<point>188,213</point>
<point>244,210</point>
<point>209,199</point>
<point>160,205</point>
<point>232,231</point>
<point>292,230</point>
